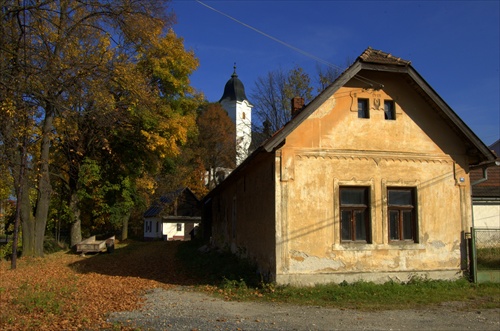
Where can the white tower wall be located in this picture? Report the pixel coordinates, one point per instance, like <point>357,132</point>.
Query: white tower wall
<point>241,114</point>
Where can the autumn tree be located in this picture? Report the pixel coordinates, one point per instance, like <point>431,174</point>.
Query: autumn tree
<point>185,170</point>
<point>80,62</point>
<point>207,156</point>
<point>216,142</point>
<point>112,149</point>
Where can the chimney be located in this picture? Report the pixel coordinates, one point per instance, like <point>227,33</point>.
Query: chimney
<point>297,105</point>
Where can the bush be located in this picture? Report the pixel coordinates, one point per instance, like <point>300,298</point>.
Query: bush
<point>218,267</point>
<point>6,251</point>
<point>488,258</point>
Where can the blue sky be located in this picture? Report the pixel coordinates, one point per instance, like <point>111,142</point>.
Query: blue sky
<point>454,45</point>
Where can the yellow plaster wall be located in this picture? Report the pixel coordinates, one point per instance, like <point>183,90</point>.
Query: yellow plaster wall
<point>249,229</point>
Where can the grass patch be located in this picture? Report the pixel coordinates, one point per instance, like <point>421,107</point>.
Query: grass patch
<point>391,295</point>
<point>43,298</point>
<point>235,279</point>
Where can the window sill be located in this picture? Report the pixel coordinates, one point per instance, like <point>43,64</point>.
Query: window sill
<point>375,247</point>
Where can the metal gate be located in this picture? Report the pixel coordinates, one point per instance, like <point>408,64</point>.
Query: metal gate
<point>485,255</point>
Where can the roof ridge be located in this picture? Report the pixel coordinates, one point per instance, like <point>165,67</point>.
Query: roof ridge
<point>371,55</point>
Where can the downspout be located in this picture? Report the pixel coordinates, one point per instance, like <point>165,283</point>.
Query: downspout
<point>484,167</point>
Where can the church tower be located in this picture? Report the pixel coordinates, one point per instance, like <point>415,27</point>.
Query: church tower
<point>239,109</point>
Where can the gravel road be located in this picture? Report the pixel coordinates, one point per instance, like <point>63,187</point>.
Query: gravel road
<point>184,309</point>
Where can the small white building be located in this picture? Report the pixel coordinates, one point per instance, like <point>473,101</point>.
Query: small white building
<point>175,216</point>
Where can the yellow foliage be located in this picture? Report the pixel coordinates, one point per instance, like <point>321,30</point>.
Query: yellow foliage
<point>146,183</point>
<point>169,62</point>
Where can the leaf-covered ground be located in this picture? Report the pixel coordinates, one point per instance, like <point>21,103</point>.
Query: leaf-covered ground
<point>64,291</point>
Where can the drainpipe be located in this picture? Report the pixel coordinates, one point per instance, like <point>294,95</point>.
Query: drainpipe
<point>484,167</point>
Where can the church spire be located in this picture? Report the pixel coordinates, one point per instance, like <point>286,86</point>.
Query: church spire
<point>239,109</point>
<point>234,71</point>
<point>234,89</point>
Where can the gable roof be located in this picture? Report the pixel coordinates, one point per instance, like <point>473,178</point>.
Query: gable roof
<point>157,207</point>
<point>376,60</point>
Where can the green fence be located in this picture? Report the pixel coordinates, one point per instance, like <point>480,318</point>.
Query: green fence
<point>485,255</point>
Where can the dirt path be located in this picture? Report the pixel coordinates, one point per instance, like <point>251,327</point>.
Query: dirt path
<point>182,309</point>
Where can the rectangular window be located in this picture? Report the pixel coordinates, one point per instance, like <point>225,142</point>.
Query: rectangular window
<point>389,110</point>
<point>402,214</point>
<point>179,226</point>
<point>355,214</point>
<point>363,108</point>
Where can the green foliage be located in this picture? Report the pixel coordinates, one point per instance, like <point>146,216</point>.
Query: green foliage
<point>6,250</point>
<point>108,201</point>
<point>6,180</point>
<point>233,284</point>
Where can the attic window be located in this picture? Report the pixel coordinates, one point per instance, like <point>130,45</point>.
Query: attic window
<point>363,111</point>
<point>389,110</point>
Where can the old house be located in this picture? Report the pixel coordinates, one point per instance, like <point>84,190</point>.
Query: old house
<point>369,181</point>
<point>175,216</point>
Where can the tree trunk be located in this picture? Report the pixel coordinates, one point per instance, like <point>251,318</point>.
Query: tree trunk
<point>17,159</point>
<point>20,194</point>
<point>27,222</point>
<point>76,222</point>
<point>126,218</point>
<point>44,187</point>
